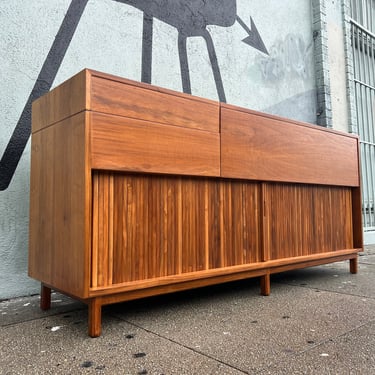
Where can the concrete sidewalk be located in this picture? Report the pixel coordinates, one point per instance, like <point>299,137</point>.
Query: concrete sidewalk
<point>318,320</point>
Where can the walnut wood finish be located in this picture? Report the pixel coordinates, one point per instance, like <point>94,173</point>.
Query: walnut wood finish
<point>117,143</point>
<point>306,219</point>
<point>137,191</point>
<point>88,90</point>
<point>262,147</point>
<point>148,227</point>
<point>68,99</point>
<point>59,229</point>
<point>149,103</point>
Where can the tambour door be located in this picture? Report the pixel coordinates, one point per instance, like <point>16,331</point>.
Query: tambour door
<point>303,219</point>
<point>147,227</point>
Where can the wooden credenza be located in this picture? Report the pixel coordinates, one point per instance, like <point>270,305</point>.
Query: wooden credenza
<point>138,190</point>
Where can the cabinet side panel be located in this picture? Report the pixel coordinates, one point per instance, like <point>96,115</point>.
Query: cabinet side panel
<point>357,218</point>
<point>307,219</point>
<point>41,229</point>
<point>58,206</point>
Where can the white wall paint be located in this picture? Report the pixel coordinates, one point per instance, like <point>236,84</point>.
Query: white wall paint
<point>27,29</point>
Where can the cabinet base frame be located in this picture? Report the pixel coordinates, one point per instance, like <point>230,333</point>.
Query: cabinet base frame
<point>95,303</point>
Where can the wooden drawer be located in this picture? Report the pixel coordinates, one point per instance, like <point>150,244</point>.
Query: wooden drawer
<point>145,102</point>
<point>266,148</point>
<point>125,144</point>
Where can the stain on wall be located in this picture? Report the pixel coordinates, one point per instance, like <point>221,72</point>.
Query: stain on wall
<point>288,58</point>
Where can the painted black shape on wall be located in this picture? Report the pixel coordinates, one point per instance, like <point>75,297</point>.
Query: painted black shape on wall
<point>190,18</point>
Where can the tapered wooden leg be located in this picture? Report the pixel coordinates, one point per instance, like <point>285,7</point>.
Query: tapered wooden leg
<point>265,284</point>
<point>45,297</point>
<point>95,317</point>
<point>354,265</point>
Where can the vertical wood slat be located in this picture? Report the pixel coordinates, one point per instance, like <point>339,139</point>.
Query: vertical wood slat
<point>179,227</point>
<point>264,225</point>
<point>103,230</point>
<point>110,229</point>
<point>216,225</point>
<point>146,227</point>
<point>95,225</point>
<point>206,226</point>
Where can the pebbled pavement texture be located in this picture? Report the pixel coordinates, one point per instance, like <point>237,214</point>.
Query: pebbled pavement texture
<point>319,320</point>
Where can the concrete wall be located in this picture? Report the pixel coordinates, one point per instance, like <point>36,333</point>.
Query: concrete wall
<point>337,65</point>
<point>255,54</point>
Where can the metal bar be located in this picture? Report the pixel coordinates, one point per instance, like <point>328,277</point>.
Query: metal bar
<point>363,49</point>
<point>362,28</point>
<point>371,185</point>
<point>372,191</point>
<point>364,83</point>
<point>372,103</point>
<point>365,186</point>
<point>368,143</point>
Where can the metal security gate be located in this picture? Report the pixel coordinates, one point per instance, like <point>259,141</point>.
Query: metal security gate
<point>363,47</point>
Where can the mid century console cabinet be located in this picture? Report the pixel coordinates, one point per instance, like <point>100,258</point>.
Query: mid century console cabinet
<point>138,191</point>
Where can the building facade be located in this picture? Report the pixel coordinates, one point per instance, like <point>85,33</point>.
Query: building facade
<point>309,60</point>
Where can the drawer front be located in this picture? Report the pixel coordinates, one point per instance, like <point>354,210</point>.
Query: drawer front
<point>263,148</point>
<point>125,98</point>
<point>123,144</point>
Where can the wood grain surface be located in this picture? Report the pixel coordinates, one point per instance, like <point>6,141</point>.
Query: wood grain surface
<point>65,100</point>
<point>141,101</point>
<point>59,234</point>
<point>147,227</point>
<point>265,148</point>
<point>305,219</point>
<point>119,143</point>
